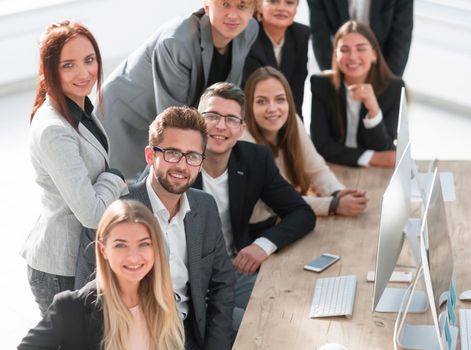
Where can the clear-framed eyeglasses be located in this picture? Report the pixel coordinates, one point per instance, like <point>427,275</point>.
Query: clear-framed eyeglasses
<point>172,155</point>
<point>231,121</point>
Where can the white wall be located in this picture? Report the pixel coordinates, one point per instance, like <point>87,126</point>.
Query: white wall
<point>118,25</point>
<point>438,72</point>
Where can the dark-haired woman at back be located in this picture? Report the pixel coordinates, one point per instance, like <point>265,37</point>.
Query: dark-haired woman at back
<point>355,106</point>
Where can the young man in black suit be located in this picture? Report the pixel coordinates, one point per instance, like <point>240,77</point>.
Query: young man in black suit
<point>238,174</point>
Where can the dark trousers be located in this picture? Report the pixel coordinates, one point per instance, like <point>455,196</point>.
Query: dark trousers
<point>46,285</point>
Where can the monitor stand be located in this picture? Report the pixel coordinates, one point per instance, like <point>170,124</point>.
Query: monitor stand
<point>412,233</point>
<point>392,298</point>
<point>424,337</point>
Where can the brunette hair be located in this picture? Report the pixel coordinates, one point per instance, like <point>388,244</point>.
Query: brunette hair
<point>379,76</point>
<point>185,118</point>
<point>155,289</point>
<point>288,141</point>
<point>50,47</point>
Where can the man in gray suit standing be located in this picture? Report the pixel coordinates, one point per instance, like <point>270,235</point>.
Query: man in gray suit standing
<point>173,68</point>
<point>202,274</point>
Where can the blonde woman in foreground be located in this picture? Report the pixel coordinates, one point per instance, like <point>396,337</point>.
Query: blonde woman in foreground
<point>131,303</point>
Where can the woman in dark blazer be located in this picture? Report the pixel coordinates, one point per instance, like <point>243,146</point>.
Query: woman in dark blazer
<point>355,106</point>
<point>131,303</point>
<point>277,29</point>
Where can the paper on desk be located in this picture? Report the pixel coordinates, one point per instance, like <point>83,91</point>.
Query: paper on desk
<point>447,181</point>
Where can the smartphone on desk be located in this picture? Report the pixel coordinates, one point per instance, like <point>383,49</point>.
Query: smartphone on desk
<point>322,262</point>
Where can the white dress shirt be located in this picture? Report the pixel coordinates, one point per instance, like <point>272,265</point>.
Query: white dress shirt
<point>353,118</point>
<point>219,189</point>
<point>359,10</point>
<point>277,49</point>
<point>173,230</point>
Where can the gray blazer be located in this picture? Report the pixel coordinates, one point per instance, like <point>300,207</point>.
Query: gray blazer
<point>170,69</point>
<point>210,270</point>
<point>69,168</point>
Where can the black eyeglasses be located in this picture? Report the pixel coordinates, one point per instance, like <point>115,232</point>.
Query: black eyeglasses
<point>231,121</point>
<point>172,155</point>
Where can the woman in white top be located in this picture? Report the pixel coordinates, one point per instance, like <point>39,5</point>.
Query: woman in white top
<point>69,152</point>
<point>271,121</point>
<point>131,305</point>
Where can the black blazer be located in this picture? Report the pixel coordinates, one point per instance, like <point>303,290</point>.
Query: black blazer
<point>390,20</point>
<point>74,321</point>
<point>293,58</point>
<point>326,131</point>
<point>253,175</point>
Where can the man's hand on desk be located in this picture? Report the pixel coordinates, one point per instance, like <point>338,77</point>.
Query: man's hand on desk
<point>351,202</point>
<point>249,259</point>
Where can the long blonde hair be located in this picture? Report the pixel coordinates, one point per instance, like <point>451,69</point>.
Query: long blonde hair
<point>155,289</point>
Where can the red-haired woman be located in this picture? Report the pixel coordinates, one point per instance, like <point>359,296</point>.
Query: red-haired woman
<point>69,152</point>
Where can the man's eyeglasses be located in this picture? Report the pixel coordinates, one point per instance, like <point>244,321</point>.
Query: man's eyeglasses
<point>231,121</point>
<point>172,155</point>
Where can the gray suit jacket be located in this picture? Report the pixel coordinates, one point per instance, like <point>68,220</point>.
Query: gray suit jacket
<point>69,168</point>
<point>170,69</point>
<point>210,270</point>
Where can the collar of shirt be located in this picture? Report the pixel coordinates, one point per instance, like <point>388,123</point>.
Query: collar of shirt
<point>76,112</point>
<point>275,45</point>
<point>159,208</point>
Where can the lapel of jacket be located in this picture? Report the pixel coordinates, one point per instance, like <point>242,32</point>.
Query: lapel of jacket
<point>207,46</point>
<point>93,320</point>
<point>237,174</point>
<point>342,6</point>
<point>100,126</point>
<point>343,110</point>
<point>194,242</point>
<point>198,184</point>
<point>267,46</point>
<point>288,53</point>
<point>87,135</point>
<point>139,193</point>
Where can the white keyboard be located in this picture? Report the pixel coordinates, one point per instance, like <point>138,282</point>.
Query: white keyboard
<point>334,296</point>
<point>465,328</point>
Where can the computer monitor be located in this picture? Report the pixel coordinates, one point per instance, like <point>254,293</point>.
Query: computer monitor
<point>437,268</point>
<point>403,135</point>
<point>421,181</point>
<point>395,211</point>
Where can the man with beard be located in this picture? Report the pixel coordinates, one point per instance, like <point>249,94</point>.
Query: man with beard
<point>202,274</point>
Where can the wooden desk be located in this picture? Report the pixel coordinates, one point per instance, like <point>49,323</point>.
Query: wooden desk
<point>277,316</point>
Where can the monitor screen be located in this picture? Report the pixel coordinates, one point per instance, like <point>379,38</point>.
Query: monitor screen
<point>437,267</point>
<point>395,210</point>
<point>402,128</point>
<point>437,244</point>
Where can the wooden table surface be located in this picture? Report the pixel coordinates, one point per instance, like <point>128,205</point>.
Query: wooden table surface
<point>277,316</point>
